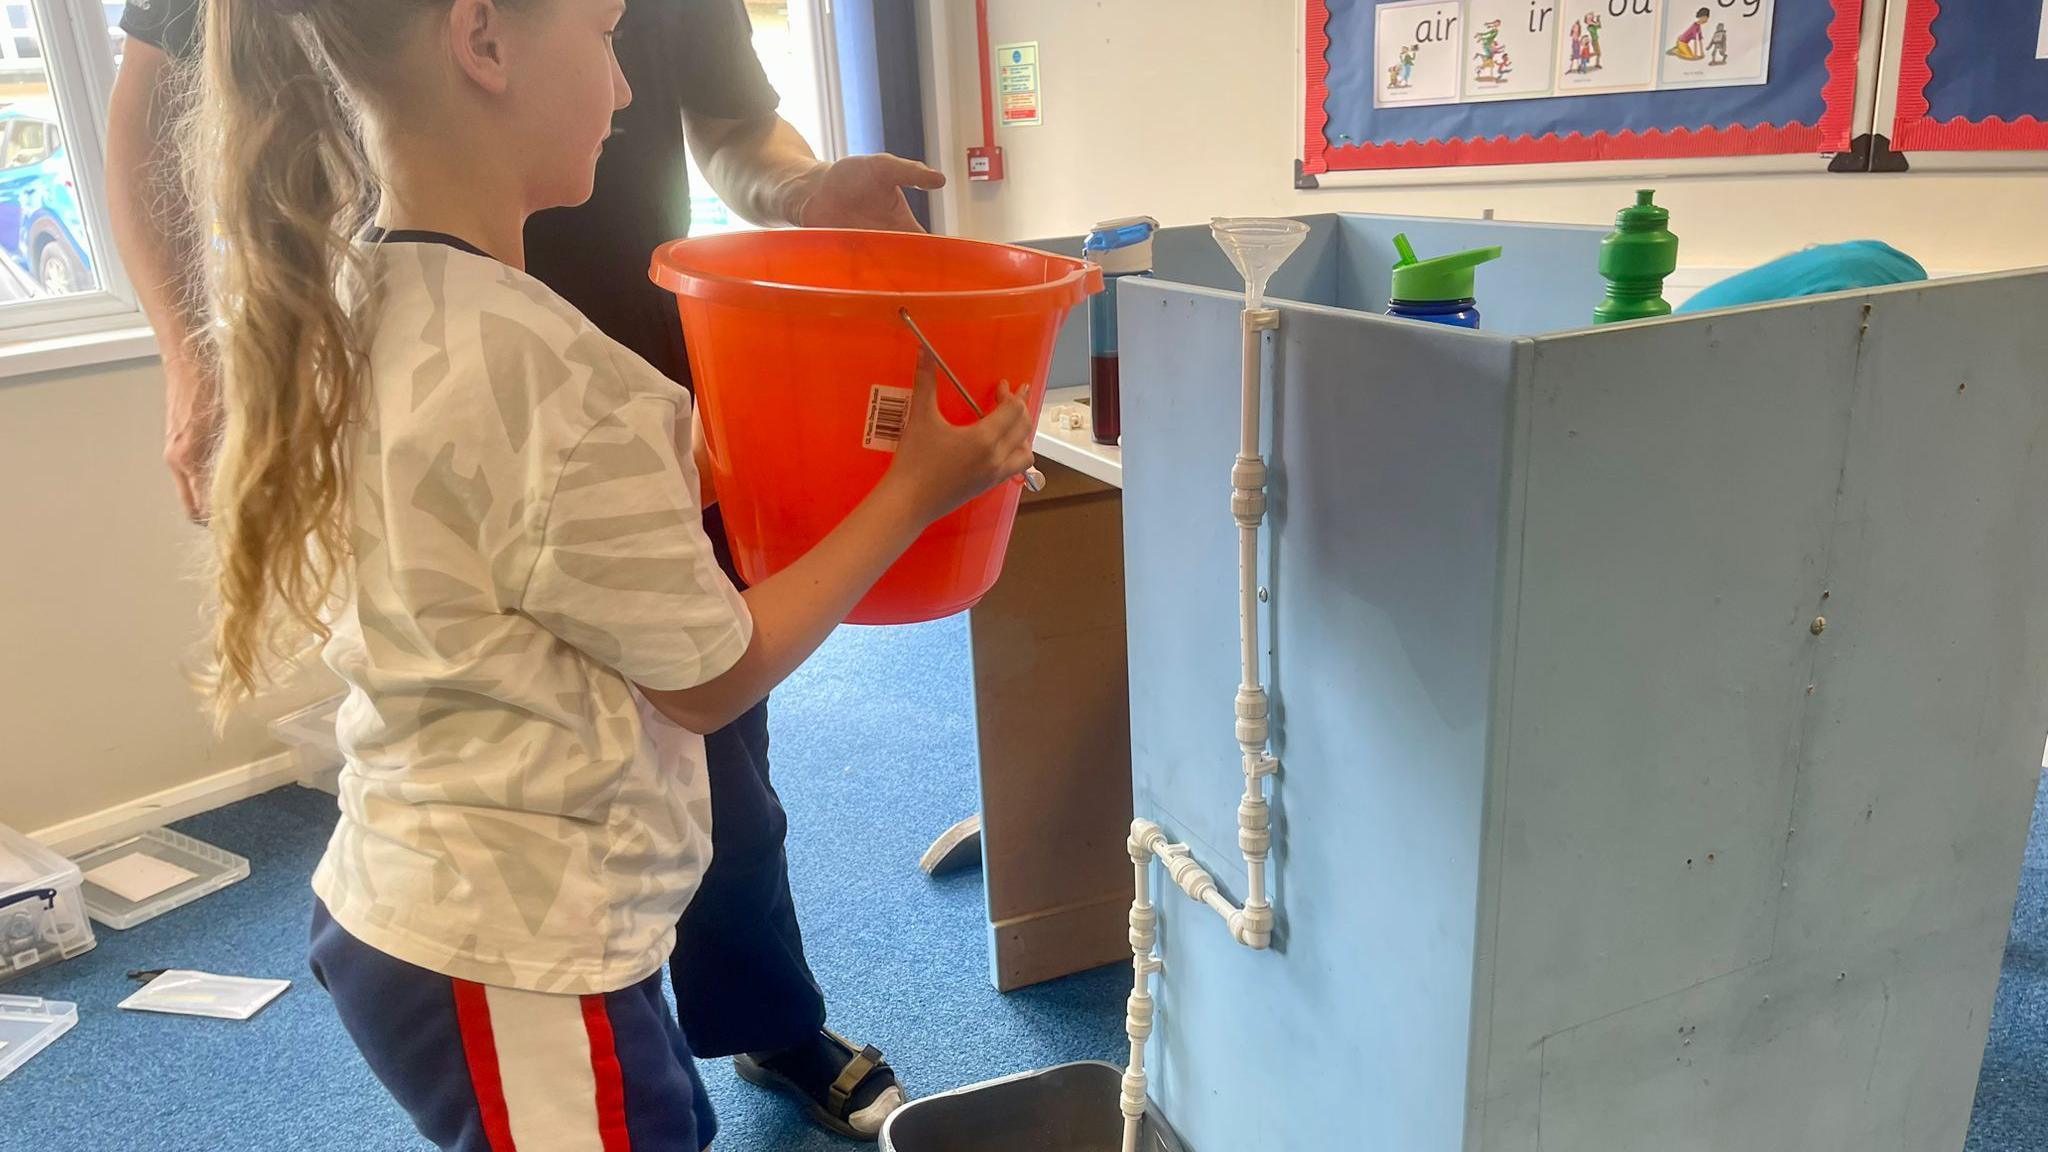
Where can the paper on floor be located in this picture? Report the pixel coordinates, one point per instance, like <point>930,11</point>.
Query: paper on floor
<point>138,876</point>
<point>182,992</point>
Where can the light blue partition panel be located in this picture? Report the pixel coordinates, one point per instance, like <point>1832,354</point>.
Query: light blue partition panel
<point>1386,513</point>
<point>1659,709</point>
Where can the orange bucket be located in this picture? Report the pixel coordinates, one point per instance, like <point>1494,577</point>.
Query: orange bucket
<point>802,363</point>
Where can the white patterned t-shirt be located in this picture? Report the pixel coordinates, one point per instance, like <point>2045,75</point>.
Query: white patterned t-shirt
<point>526,548</point>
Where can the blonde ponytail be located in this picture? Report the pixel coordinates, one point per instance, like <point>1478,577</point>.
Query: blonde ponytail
<point>274,163</point>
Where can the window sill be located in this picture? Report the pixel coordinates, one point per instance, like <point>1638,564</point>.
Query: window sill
<point>118,344</point>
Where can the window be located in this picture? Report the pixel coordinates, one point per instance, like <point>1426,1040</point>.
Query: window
<point>58,275</point>
<point>21,36</point>
<point>112,11</point>
<point>793,40</point>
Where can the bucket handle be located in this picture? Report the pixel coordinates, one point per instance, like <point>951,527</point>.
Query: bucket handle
<point>1033,478</point>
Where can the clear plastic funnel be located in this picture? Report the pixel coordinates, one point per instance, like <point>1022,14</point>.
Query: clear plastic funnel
<point>1258,246</point>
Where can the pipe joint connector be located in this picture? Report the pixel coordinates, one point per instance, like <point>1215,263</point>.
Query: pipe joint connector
<point>1253,928</point>
<point>1144,929</point>
<point>1190,876</point>
<point>1248,474</point>
<point>1132,1101</point>
<point>1254,828</point>
<point>1248,508</point>
<point>1252,712</point>
<point>1138,1009</point>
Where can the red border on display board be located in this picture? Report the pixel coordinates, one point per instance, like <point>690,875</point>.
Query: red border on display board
<point>1914,130</point>
<point>1831,134</point>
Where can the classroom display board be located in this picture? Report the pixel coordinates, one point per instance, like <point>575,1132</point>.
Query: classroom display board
<point>1973,76</point>
<point>1436,83</point>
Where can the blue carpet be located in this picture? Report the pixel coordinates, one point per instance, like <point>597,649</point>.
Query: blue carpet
<point>874,754</point>
<point>2012,1088</point>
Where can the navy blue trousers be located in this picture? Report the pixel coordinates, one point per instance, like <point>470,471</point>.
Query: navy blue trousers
<point>741,981</point>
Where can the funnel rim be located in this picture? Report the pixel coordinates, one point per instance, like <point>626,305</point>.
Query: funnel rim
<point>1081,278</point>
<point>1276,227</point>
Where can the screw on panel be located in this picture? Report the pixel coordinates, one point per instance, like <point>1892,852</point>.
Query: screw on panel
<point>1264,595</point>
<point>1820,625</point>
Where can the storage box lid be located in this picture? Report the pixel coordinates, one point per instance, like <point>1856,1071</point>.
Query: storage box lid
<point>25,864</point>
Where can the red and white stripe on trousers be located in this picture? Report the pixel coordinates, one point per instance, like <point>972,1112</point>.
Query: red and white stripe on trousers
<point>545,1069</point>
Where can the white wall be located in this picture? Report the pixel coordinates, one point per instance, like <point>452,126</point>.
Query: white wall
<point>99,611</point>
<point>1185,109</point>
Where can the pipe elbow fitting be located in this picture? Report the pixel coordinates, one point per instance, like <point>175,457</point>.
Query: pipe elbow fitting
<point>1253,927</point>
<point>1144,838</point>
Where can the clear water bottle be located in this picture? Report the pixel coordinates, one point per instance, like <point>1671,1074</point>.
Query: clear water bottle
<point>1123,248</point>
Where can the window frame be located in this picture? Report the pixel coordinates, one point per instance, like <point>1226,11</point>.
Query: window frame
<point>105,323</point>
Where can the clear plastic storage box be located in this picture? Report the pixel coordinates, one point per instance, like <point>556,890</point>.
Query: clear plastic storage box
<point>28,1025</point>
<point>145,876</point>
<point>42,916</point>
<point>309,733</point>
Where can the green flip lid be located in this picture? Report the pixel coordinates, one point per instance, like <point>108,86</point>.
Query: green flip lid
<point>1441,278</point>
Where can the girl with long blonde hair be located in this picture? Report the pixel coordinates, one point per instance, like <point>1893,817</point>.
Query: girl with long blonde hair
<point>478,503</point>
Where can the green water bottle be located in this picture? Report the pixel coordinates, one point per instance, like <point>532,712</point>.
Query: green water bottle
<point>1635,258</point>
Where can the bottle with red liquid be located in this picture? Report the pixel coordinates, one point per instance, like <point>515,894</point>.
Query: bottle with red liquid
<point>1122,248</point>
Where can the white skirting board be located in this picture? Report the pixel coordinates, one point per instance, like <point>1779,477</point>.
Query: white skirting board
<point>73,837</point>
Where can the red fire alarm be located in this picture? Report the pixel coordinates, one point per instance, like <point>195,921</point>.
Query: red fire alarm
<point>985,163</point>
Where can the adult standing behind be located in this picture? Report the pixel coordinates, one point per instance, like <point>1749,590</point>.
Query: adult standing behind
<point>695,78</point>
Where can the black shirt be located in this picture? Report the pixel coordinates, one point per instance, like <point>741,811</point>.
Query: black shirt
<point>679,56</point>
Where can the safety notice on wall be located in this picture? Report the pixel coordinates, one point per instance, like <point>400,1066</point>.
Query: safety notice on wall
<point>1017,85</point>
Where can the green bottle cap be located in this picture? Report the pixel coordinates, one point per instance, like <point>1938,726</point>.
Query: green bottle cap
<point>1641,247</point>
<point>1441,278</point>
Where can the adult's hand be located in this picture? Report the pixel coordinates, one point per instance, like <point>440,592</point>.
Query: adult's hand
<point>865,192</point>
<point>191,428</point>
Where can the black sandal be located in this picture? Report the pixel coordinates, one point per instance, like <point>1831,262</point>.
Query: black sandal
<point>835,1110</point>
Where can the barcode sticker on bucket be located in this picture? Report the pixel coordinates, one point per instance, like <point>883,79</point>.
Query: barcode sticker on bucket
<point>888,409</point>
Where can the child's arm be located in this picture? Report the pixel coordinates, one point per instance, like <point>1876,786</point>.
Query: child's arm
<point>938,467</point>
<point>707,486</point>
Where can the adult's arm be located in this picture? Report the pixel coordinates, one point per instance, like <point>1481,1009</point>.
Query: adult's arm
<point>755,160</point>
<point>152,223</point>
<point>763,169</point>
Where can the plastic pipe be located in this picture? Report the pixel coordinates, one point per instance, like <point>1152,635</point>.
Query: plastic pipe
<point>1248,477</point>
<point>1251,925</point>
<point>1138,1010</point>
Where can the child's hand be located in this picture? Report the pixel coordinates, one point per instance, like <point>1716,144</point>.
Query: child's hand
<point>941,465</point>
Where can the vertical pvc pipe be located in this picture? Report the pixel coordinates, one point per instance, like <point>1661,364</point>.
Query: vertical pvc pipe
<point>1139,1009</point>
<point>1248,508</point>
